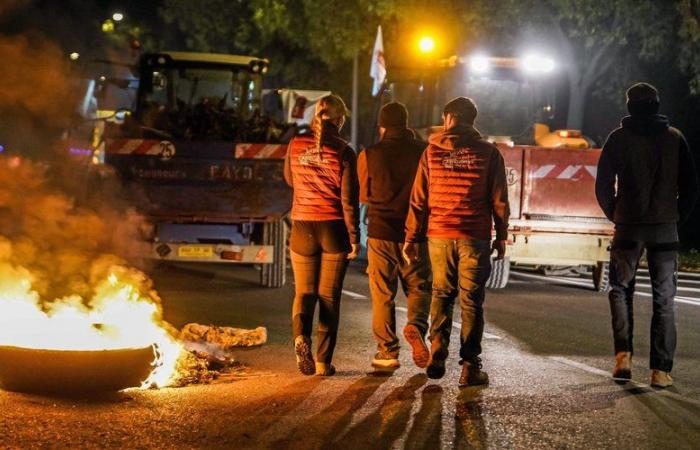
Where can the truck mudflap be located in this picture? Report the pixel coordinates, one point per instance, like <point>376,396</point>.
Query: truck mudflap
<point>219,253</point>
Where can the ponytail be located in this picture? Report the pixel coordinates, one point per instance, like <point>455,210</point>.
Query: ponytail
<point>329,109</point>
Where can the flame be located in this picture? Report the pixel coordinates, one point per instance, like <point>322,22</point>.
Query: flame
<point>121,313</point>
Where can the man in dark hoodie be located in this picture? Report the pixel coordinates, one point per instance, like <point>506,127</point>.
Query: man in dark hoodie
<point>386,171</point>
<point>459,193</point>
<point>646,185</point>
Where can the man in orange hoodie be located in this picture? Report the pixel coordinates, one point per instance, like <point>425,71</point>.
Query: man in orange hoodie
<point>459,195</point>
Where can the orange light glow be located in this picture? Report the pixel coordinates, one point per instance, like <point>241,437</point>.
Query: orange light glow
<point>426,44</point>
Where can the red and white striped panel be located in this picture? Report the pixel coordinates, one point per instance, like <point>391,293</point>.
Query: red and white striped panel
<point>261,151</point>
<point>134,146</point>
<point>565,172</point>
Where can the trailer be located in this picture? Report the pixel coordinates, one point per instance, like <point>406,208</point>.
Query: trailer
<point>555,219</point>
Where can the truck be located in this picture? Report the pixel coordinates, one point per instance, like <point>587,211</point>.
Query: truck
<point>201,161</point>
<point>555,223</point>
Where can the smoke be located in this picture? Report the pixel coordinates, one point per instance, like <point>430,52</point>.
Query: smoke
<point>38,95</point>
<point>58,222</point>
<point>54,237</point>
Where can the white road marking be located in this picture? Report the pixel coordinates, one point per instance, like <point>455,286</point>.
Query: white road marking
<point>578,365</point>
<point>550,279</point>
<point>458,326</point>
<point>354,294</point>
<point>680,288</point>
<point>567,281</point>
<point>680,274</point>
<point>596,371</point>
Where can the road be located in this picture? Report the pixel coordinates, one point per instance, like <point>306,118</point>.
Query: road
<point>548,351</point>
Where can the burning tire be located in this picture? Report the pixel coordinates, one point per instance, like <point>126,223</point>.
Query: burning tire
<point>274,275</point>
<point>500,273</point>
<point>73,371</point>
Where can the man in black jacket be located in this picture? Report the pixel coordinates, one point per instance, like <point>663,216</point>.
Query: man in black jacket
<point>386,171</point>
<point>646,185</point>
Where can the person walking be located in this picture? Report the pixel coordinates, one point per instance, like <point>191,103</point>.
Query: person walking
<point>386,171</point>
<point>646,184</point>
<point>459,195</point>
<point>322,171</point>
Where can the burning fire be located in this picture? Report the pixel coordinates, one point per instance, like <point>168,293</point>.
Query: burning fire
<point>62,288</point>
<point>121,314</point>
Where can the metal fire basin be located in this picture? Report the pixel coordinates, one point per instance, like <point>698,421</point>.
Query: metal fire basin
<point>73,371</point>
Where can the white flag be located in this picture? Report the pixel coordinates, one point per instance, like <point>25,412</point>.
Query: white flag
<point>378,69</point>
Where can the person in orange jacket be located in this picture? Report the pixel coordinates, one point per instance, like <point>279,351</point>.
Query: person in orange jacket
<point>322,170</point>
<point>459,195</point>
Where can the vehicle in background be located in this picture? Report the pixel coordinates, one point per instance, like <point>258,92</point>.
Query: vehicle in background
<point>203,163</point>
<point>555,224</point>
<point>559,138</point>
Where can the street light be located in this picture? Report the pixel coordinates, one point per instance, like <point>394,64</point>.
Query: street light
<point>480,63</point>
<point>108,26</point>
<point>118,17</point>
<point>74,56</point>
<point>426,44</point>
<point>537,64</point>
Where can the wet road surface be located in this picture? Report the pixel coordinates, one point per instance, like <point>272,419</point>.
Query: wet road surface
<point>548,351</point>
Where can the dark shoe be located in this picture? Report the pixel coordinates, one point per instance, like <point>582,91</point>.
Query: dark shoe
<point>325,369</point>
<point>623,366</point>
<point>305,360</point>
<point>385,361</point>
<point>436,369</point>
<point>472,375</point>
<point>421,354</point>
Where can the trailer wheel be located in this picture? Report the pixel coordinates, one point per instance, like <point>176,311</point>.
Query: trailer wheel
<point>500,273</point>
<point>601,276</point>
<point>274,275</point>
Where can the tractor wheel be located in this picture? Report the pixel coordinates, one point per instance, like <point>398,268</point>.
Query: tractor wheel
<point>274,275</point>
<point>601,276</point>
<point>500,272</point>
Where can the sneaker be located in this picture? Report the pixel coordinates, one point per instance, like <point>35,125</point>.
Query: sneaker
<point>436,369</point>
<point>472,375</point>
<point>421,354</point>
<point>385,361</point>
<point>661,379</point>
<point>325,369</point>
<point>623,366</point>
<point>305,360</point>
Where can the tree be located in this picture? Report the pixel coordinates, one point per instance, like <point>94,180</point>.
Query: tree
<point>689,34</point>
<point>589,38</point>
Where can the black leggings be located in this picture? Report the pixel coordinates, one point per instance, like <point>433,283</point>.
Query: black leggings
<point>311,238</point>
<point>319,261</point>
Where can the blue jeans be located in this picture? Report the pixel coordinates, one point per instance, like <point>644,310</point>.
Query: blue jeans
<point>663,265</point>
<point>461,269</point>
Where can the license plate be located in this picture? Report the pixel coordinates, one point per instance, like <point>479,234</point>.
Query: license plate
<point>195,251</point>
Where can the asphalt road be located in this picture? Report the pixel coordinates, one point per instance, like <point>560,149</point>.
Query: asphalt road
<point>548,351</point>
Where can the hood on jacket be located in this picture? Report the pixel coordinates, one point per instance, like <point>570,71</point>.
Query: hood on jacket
<point>398,133</point>
<point>456,137</point>
<point>650,125</point>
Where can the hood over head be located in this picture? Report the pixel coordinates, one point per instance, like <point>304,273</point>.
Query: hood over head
<point>646,125</point>
<point>455,137</point>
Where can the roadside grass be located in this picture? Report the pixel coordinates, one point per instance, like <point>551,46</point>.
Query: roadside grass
<point>689,260</point>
